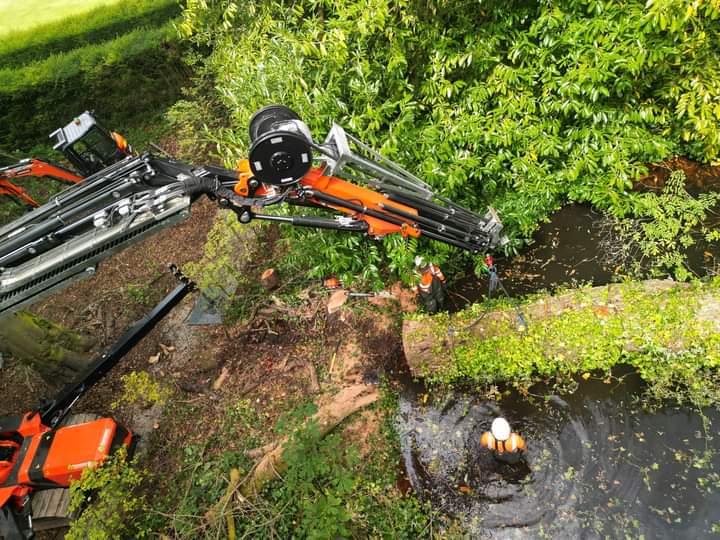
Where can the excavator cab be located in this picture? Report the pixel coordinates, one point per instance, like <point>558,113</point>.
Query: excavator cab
<point>89,146</point>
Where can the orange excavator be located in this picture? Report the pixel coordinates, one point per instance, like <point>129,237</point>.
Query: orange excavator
<point>84,142</point>
<point>128,197</point>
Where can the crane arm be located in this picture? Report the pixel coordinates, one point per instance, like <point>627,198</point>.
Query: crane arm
<point>31,167</point>
<point>36,167</point>
<point>65,239</point>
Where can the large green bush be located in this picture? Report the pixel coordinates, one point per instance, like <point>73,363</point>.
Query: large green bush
<point>100,24</point>
<point>526,104</point>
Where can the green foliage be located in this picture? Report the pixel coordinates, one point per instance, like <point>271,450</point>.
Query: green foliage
<point>121,78</point>
<point>654,332</point>
<point>327,492</point>
<point>193,116</point>
<point>141,388</point>
<point>109,500</point>
<point>219,274</point>
<point>664,226</point>
<point>523,104</point>
<point>218,268</point>
<point>138,293</point>
<point>316,486</point>
<point>204,467</point>
<point>97,25</point>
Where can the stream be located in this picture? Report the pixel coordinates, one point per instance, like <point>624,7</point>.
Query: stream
<point>598,464</point>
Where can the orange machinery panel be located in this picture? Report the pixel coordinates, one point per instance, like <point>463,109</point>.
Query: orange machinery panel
<point>63,454</point>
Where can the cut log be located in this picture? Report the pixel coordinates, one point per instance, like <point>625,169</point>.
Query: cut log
<point>336,301</point>
<point>224,374</point>
<point>429,342</point>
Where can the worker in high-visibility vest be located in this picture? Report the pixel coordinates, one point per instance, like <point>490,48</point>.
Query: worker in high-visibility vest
<point>505,445</point>
<point>432,289</point>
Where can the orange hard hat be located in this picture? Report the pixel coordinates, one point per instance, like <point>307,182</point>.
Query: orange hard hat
<point>332,283</point>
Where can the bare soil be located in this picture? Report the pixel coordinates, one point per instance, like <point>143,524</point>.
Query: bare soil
<point>271,360</point>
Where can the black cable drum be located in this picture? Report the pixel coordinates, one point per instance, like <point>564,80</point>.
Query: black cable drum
<point>262,121</point>
<point>280,153</point>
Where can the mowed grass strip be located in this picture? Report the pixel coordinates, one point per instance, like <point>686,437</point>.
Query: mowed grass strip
<point>17,15</point>
<point>61,66</point>
<point>100,24</point>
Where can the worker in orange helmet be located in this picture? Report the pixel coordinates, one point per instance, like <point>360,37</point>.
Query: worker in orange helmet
<point>505,445</point>
<point>432,289</point>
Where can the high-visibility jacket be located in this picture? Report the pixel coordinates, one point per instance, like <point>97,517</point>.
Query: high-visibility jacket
<point>121,143</point>
<point>431,289</point>
<point>514,444</point>
<point>427,274</point>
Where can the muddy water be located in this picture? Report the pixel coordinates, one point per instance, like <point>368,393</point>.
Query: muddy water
<point>564,251</point>
<point>597,464</point>
<point>568,251</point>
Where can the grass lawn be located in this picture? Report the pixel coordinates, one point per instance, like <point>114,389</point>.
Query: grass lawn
<point>22,14</point>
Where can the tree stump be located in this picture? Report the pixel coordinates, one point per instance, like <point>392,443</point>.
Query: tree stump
<point>54,351</point>
<point>270,279</point>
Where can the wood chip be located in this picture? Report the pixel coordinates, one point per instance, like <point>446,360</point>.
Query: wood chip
<point>224,374</point>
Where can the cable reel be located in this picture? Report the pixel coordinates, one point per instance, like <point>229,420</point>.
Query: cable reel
<point>281,152</point>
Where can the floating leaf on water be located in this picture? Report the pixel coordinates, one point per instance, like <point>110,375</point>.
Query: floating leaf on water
<point>586,375</point>
<point>654,466</point>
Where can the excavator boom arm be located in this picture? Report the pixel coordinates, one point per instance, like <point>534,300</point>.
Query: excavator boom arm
<point>32,167</point>
<point>65,239</point>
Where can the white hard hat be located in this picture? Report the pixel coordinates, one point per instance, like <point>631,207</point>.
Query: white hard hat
<point>419,261</point>
<point>500,429</point>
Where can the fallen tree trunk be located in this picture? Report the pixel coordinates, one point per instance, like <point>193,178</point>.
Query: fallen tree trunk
<point>346,402</point>
<point>625,317</point>
<point>54,351</point>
